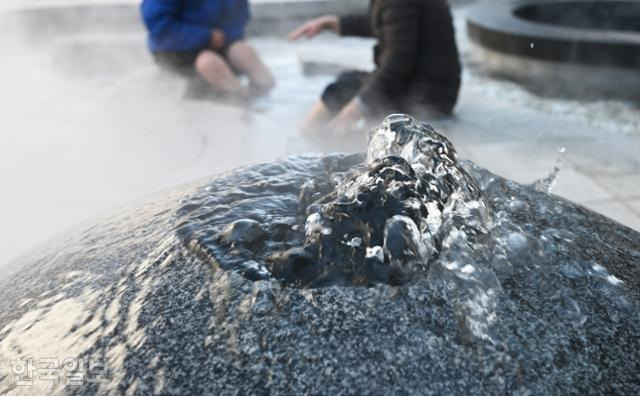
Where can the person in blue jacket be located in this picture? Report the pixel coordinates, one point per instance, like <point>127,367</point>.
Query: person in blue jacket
<point>206,36</point>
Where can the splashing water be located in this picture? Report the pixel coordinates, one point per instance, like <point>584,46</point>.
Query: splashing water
<point>480,282</point>
<point>546,184</point>
<point>385,221</point>
<point>408,212</point>
<point>411,195</point>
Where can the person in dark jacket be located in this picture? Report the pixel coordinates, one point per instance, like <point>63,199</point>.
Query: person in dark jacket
<point>207,37</point>
<point>417,65</point>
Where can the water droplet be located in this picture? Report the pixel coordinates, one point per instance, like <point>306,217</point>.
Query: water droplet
<point>468,269</point>
<point>263,299</point>
<point>375,252</point>
<point>546,184</point>
<point>613,280</point>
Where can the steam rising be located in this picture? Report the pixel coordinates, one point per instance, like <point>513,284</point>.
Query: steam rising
<point>90,122</point>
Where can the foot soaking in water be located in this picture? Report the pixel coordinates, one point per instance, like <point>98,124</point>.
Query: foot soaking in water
<point>204,41</point>
<point>404,269</point>
<point>417,66</point>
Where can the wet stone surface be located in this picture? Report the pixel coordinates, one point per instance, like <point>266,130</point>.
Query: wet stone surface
<point>382,222</point>
<point>269,279</point>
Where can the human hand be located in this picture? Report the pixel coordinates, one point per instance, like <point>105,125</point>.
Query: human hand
<point>217,39</point>
<point>315,26</point>
<point>346,120</point>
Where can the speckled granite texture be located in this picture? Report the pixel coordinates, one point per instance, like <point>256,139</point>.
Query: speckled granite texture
<point>553,309</point>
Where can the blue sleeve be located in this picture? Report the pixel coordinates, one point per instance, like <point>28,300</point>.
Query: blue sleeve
<point>234,19</point>
<point>160,17</point>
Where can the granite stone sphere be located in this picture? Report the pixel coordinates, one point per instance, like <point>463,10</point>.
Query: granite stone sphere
<point>401,271</point>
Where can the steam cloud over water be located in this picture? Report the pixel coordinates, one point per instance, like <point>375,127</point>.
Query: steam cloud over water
<point>90,122</point>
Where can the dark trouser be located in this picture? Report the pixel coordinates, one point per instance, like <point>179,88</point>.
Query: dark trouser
<point>340,92</point>
<point>423,99</point>
<point>184,62</point>
<point>179,62</point>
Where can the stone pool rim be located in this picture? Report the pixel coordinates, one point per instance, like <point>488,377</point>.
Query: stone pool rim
<point>496,26</point>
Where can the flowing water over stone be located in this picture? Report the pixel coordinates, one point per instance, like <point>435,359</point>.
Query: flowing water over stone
<point>404,270</point>
<point>385,221</point>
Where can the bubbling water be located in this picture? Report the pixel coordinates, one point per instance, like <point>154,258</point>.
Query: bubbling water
<point>409,216</point>
<point>385,221</point>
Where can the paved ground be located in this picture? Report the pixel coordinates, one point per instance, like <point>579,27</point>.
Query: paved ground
<point>91,124</point>
<point>600,170</point>
<point>521,136</point>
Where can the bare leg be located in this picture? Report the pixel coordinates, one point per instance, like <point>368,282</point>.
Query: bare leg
<point>318,118</point>
<point>213,68</point>
<point>244,59</point>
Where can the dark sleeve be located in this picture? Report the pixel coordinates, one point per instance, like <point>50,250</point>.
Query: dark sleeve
<point>234,21</point>
<point>355,25</point>
<point>399,32</point>
<point>160,18</point>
